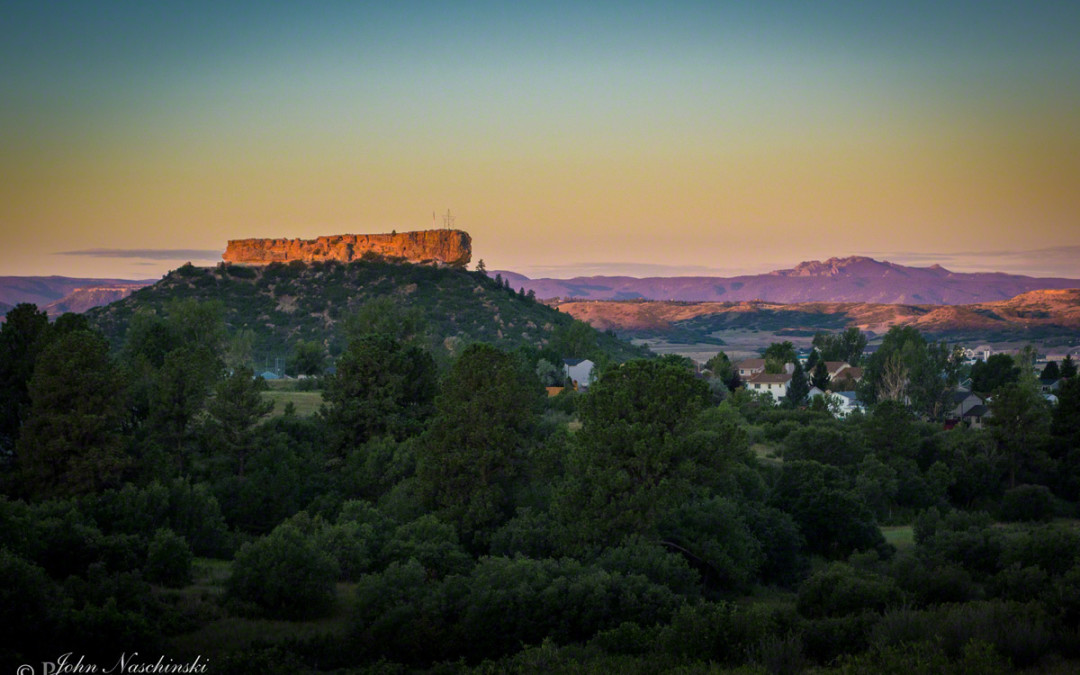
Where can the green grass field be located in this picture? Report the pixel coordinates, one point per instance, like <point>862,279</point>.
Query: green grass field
<point>900,536</point>
<point>306,402</point>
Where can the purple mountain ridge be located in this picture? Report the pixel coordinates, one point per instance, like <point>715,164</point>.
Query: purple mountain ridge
<point>854,279</point>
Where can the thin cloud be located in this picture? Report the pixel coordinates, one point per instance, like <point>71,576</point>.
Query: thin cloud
<point>1057,261</point>
<point>565,270</point>
<point>147,253</point>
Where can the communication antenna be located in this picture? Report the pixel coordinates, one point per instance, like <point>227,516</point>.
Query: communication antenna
<point>448,220</point>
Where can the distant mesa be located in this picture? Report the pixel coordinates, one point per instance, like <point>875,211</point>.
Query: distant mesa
<point>451,248</point>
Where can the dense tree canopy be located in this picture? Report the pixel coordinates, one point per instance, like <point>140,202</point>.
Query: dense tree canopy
<point>846,346</point>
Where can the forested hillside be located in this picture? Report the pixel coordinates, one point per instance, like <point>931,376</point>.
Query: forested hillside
<point>280,305</point>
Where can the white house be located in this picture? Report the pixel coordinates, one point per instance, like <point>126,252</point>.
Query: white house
<point>770,383</point>
<point>849,403</point>
<point>580,371</point>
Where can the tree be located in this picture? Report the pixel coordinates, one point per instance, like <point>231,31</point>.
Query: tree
<point>798,388</point>
<point>384,316</point>
<point>820,377</point>
<point>308,358</point>
<point>481,267</point>
<point>777,354</point>
<point>993,373</point>
<point>485,412</point>
<point>180,389</point>
<point>71,441</point>
<point>1050,372</point>
<point>1068,367</point>
<point>22,337</point>
<point>636,451</point>
<point>908,369</point>
<point>723,369</point>
<point>1019,421</point>
<point>813,359</point>
<point>381,387</point>
<point>576,339</point>
<point>284,574</point>
<point>847,346</point>
<point>235,409</point>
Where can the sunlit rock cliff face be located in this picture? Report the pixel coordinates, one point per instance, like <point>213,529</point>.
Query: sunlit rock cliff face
<point>431,247</point>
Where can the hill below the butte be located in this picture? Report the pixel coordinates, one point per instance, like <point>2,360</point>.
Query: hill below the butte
<point>856,279</point>
<point>278,305</point>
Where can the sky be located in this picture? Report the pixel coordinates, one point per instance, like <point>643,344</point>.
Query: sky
<point>567,138</point>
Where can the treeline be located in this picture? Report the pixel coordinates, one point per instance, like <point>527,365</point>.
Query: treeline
<point>460,519</point>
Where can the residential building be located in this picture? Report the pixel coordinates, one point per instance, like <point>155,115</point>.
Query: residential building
<point>579,371</point>
<point>749,368</point>
<point>775,384</point>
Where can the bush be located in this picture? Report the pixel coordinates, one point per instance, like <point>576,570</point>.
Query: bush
<point>168,560</point>
<point>284,575</point>
<point>840,590</point>
<point>1027,503</point>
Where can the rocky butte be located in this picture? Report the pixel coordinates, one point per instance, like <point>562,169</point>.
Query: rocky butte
<point>452,248</point>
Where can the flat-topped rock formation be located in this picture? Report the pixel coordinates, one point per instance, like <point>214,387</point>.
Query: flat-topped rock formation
<point>428,247</point>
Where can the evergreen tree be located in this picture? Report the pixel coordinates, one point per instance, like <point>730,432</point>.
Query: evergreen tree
<point>235,409</point>
<point>798,388</point>
<point>1019,422</point>
<point>71,443</point>
<point>381,388</point>
<point>180,389</point>
<point>486,409</point>
<point>1050,372</point>
<point>636,451</point>
<point>23,335</point>
<point>820,377</point>
<point>1068,366</point>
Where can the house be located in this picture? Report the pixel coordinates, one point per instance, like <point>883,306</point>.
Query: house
<point>749,368</point>
<point>962,400</point>
<point>579,371</point>
<point>849,403</point>
<point>1050,386</point>
<point>835,367</point>
<point>270,375</point>
<point>976,416</point>
<point>775,384</point>
<point>845,379</point>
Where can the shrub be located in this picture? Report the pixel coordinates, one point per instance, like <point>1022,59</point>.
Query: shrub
<point>168,560</point>
<point>840,589</point>
<point>284,574</point>
<point>1027,503</point>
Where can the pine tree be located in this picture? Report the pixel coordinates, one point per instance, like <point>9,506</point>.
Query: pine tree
<point>70,443</point>
<point>1068,367</point>
<point>798,388</point>
<point>820,377</point>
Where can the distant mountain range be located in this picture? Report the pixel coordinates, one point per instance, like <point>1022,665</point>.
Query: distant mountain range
<point>855,279</point>
<point>1036,314</point>
<point>57,295</point>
